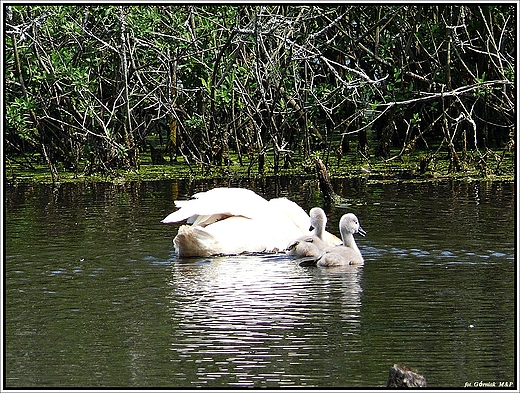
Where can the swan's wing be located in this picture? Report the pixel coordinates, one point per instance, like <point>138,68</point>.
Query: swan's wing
<point>340,256</point>
<point>216,204</point>
<point>294,212</point>
<point>239,234</point>
<point>301,219</point>
<point>178,216</point>
<point>206,220</point>
<point>308,246</point>
<point>294,244</point>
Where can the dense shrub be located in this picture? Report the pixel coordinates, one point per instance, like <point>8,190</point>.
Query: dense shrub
<point>86,85</point>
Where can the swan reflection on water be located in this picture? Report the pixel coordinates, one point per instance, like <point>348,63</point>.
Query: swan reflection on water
<point>259,311</point>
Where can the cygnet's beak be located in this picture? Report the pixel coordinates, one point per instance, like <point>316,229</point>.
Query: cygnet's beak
<point>361,231</point>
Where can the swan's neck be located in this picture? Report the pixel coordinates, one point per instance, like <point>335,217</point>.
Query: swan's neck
<point>319,231</point>
<point>348,241</point>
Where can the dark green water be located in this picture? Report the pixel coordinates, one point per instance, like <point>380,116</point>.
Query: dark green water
<point>95,295</point>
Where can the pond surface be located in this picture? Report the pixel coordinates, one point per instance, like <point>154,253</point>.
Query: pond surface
<point>95,295</point>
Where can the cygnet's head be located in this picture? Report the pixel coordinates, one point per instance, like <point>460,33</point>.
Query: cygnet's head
<point>350,224</point>
<point>318,219</point>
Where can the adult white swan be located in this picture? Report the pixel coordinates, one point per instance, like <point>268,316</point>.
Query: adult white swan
<point>314,244</point>
<point>236,220</point>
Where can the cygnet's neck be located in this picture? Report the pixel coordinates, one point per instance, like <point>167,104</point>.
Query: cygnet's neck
<point>348,240</point>
<point>318,222</point>
<point>319,230</point>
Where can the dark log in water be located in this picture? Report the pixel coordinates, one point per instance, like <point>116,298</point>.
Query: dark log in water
<point>325,184</point>
<point>404,377</point>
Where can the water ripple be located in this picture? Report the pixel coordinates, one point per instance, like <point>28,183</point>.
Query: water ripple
<point>461,256</point>
<point>258,313</point>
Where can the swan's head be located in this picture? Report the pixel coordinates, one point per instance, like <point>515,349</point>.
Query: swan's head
<point>350,224</point>
<point>318,219</point>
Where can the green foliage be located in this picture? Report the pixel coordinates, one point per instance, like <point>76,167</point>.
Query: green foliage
<point>90,83</point>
